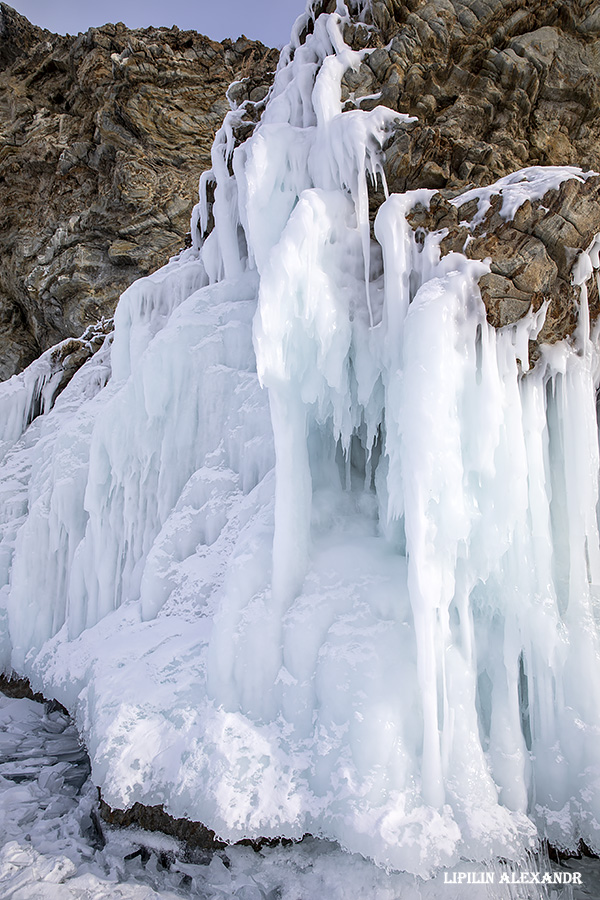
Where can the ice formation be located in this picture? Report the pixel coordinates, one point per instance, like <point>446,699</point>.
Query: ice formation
<point>53,844</point>
<point>322,555</point>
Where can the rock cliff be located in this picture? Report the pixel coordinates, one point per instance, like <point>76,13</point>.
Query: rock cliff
<point>103,137</point>
<point>102,140</point>
<point>496,85</point>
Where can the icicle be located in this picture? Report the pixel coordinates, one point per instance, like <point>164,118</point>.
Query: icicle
<point>583,269</point>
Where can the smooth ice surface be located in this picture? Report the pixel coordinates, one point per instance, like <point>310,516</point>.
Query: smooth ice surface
<point>322,555</point>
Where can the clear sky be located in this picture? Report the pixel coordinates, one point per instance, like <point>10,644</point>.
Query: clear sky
<point>267,20</point>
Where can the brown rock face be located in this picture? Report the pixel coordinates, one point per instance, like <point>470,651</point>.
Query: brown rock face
<point>17,35</point>
<point>102,140</point>
<point>496,85</point>
<point>531,255</point>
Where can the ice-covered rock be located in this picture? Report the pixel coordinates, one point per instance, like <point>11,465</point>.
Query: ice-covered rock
<point>322,555</point>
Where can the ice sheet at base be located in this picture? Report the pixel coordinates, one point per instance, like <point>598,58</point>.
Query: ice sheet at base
<point>322,556</point>
<point>53,844</point>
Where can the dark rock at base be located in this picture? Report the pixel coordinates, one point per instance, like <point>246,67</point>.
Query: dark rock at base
<point>558,856</point>
<point>194,835</point>
<point>18,688</point>
<point>154,818</point>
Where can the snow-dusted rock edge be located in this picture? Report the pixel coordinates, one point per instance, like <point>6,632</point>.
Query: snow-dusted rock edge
<point>307,548</point>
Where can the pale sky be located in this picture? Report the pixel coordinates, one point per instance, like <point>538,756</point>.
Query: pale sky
<point>267,20</point>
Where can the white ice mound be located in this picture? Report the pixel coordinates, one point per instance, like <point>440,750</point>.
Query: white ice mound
<point>323,554</point>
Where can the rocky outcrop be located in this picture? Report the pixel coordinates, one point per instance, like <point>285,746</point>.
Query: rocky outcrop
<point>531,254</point>
<point>496,86</point>
<point>102,140</point>
<point>17,35</point>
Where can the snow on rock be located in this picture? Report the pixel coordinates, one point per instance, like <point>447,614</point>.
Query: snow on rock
<point>515,189</point>
<point>33,392</point>
<point>323,554</point>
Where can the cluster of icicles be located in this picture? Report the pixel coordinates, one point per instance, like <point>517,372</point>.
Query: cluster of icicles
<point>323,554</point>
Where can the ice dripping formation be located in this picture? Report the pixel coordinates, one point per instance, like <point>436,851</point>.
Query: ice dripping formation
<point>322,554</point>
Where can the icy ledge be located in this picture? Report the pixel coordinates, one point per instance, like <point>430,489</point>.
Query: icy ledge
<point>322,556</point>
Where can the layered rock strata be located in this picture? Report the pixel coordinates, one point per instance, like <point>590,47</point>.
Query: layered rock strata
<point>102,140</point>
<point>496,86</point>
<point>531,255</point>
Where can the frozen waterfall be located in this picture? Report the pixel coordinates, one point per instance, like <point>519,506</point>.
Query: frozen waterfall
<point>322,553</point>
